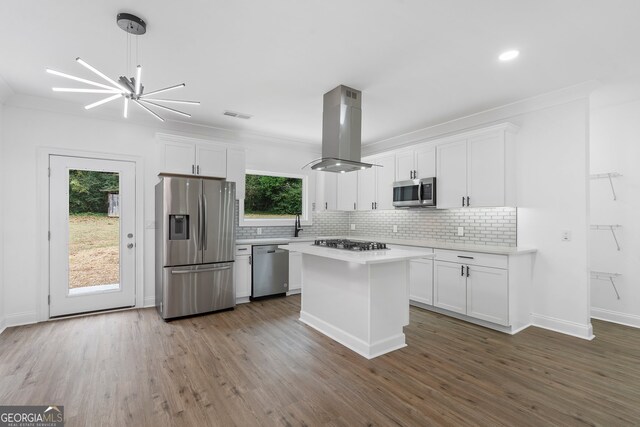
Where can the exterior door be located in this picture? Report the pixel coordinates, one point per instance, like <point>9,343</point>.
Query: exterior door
<point>92,235</point>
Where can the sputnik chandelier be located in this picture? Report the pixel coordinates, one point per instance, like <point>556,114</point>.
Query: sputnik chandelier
<point>130,89</point>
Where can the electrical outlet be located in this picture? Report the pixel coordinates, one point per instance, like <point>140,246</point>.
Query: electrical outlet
<point>566,236</point>
<point>353,226</point>
<point>460,231</point>
<point>395,228</point>
<point>259,231</point>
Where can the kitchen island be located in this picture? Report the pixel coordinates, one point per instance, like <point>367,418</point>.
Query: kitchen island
<point>359,299</point>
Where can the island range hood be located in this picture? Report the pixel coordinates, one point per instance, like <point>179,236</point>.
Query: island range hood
<point>341,132</point>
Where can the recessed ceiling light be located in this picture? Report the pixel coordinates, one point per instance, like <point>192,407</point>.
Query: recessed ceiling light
<point>509,55</point>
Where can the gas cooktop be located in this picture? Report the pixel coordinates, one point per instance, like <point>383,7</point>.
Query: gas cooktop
<point>350,245</point>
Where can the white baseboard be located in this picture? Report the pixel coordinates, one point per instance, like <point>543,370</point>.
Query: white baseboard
<point>294,292</point>
<point>351,342</point>
<point>149,302</point>
<point>3,325</point>
<point>18,319</point>
<point>574,329</point>
<point>242,300</point>
<point>632,320</point>
<point>505,329</point>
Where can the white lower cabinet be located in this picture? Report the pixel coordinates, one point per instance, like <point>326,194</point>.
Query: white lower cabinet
<point>295,272</point>
<point>488,294</point>
<point>478,291</point>
<point>421,280</point>
<point>242,273</point>
<point>450,287</point>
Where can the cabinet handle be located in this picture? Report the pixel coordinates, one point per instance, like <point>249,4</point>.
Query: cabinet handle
<point>354,206</point>
<point>462,201</point>
<point>376,205</point>
<point>326,205</point>
<point>198,169</point>
<point>465,257</point>
<point>467,271</point>
<point>193,169</point>
<point>372,206</point>
<point>415,174</point>
<point>462,270</point>
<point>242,249</point>
<point>250,259</point>
<point>468,202</point>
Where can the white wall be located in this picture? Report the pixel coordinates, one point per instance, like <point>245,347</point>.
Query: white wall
<point>553,197</point>
<point>2,298</point>
<point>28,128</point>
<point>552,159</point>
<point>615,147</point>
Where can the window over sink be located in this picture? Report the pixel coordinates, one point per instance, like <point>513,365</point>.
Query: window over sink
<point>273,199</point>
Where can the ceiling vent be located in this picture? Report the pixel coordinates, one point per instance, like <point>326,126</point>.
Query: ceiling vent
<point>237,115</point>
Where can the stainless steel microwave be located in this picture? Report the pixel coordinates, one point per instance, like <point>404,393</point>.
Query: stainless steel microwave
<point>415,192</point>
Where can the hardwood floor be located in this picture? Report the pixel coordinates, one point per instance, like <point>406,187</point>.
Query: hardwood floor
<point>258,365</point>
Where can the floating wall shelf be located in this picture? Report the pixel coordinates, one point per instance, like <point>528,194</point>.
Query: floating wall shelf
<point>612,228</point>
<point>609,176</point>
<point>601,275</point>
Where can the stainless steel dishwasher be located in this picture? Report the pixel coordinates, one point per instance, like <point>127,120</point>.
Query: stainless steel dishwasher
<point>270,271</point>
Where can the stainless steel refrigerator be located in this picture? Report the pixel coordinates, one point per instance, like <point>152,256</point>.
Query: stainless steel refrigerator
<point>195,245</point>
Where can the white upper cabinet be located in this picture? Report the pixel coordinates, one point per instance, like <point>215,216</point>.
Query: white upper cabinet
<point>236,161</point>
<point>477,170</point>
<point>451,181</point>
<point>419,162</point>
<point>385,175</point>
<point>326,191</point>
<point>188,156</point>
<point>179,158</point>
<point>211,161</point>
<point>405,165</point>
<point>375,185</point>
<point>367,187</point>
<point>486,169</point>
<point>347,191</point>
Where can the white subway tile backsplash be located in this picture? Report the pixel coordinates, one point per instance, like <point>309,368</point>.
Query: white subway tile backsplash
<point>492,226</point>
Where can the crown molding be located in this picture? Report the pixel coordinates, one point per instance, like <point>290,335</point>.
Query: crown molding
<point>482,118</point>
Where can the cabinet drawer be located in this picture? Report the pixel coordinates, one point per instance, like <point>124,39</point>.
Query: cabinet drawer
<point>243,249</point>
<point>473,258</point>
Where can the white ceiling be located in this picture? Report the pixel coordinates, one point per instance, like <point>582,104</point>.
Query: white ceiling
<point>418,62</point>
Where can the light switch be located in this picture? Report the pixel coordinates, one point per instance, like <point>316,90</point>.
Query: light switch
<point>395,228</point>
<point>259,231</point>
<point>460,231</point>
<point>566,236</point>
<point>353,226</point>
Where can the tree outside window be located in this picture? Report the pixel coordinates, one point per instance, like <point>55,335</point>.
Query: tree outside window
<point>272,197</point>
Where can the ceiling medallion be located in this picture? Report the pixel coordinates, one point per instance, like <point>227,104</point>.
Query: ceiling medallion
<point>130,89</point>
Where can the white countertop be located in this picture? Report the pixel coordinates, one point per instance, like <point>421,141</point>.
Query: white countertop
<point>366,257</point>
<point>487,249</point>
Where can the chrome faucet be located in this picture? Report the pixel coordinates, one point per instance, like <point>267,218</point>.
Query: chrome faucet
<point>297,228</point>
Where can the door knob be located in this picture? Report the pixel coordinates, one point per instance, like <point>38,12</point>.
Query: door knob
<point>130,235</point>
<point>130,245</point>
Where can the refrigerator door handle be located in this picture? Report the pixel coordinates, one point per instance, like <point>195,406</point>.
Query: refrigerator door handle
<point>204,270</point>
<point>204,222</point>
<point>200,221</point>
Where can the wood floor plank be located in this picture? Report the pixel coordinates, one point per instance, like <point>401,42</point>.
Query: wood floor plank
<point>259,365</point>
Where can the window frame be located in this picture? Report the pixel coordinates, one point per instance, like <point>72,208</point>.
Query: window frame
<point>274,222</point>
